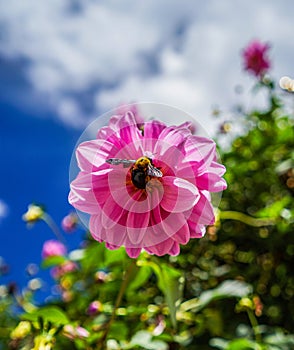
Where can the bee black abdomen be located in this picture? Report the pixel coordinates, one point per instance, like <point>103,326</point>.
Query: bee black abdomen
<point>139,178</point>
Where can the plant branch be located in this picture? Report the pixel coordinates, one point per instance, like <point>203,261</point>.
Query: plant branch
<point>50,222</point>
<point>123,287</point>
<point>246,219</point>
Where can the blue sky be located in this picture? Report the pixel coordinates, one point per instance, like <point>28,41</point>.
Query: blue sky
<point>65,62</point>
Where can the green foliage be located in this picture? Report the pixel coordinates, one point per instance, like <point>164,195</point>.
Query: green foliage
<point>47,314</point>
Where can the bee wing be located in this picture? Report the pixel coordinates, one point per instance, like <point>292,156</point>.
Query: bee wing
<point>116,161</point>
<point>152,171</point>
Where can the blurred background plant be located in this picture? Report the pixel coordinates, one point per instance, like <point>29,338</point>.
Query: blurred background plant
<point>232,289</point>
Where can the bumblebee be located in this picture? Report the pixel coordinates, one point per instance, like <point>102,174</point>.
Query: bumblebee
<point>141,169</point>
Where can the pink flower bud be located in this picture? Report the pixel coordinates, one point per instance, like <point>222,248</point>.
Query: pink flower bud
<point>94,308</point>
<point>53,248</point>
<point>69,222</point>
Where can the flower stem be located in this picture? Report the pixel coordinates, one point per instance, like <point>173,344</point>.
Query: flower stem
<point>50,222</point>
<point>123,287</point>
<point>254,325</point>
<point>246,219</point>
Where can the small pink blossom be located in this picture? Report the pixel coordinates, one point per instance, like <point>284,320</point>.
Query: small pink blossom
<point>102,276</point>
<point>60,270</point>
<point>53,248</point>
<point>255,58</point>
<point>69,222</point>
<point>73,332</point>
<point>160,213</point>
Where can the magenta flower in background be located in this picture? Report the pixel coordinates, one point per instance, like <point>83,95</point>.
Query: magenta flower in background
<point>94,308</point>
<point>256,59</point>
<point>53,248</point>
<point>146,185</point>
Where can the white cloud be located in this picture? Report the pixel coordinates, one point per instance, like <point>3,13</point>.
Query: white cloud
<point>3,210</point>
<point>183,53</point>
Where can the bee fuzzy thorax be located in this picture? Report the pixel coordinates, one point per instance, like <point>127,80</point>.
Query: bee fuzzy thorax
<point>143,162</point>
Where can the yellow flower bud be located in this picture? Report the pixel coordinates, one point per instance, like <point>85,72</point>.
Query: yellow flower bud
<point>21,330</point>
<point>43,342</point>
<point>246,303</point>
<point>33,214</point>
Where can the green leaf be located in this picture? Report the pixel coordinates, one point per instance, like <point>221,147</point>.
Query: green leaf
<point>53,261</point>
<point>114,256</point>
<point>274,210</point>
<point>51,314</point>
<point>93,258</point>
<point>227,289</point>
<point>243,344</point>
<point>219,343</point>
<point>118,331</point>
<point>140,279</point>
<point>171,283</point>
<point>280,339</point>
<point>144,339</point>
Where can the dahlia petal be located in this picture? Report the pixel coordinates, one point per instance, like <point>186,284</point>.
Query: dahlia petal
<point>95,228</point>
<point>183,234</point>
<point>118,205</point>
<point>130,133</point>
<point>111,246</point>
<point>81,195</point>
<point>137,224</point>
<point>179,195</point>
<point>193,169</point>
<point>133,252</point>
<point>129,123</point>
<point>152,130</point>
<point>217,168</point>
<point>155,216</point>
<point>104,132</point>
<point>203,212</point>
<point>196,231</point>
<point>111,128</point>
<point>166,228</point>
<point>201,150</point>
<point>211,182</point>
<point>174,135</point>
<point>175,249</point>
<point>161,248</point>
<point>100,187</point>
<point>171,137</point>
<point>124,134</point>
<point>170,157</point>
<point>116,235</point>
<point>111,213</point>
<point>91,154</point>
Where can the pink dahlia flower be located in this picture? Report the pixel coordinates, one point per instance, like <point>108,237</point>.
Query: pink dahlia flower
<point>53,248</point>
<point>133,206</point>
<point>256,59</point>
